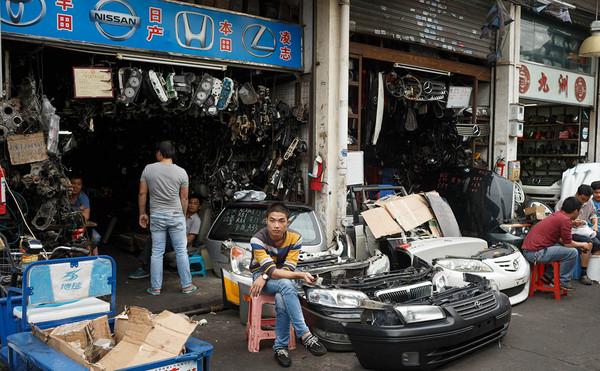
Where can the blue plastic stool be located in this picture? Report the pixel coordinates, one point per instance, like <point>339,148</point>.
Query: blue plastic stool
<point>577,271</point>
<point>197,266</point>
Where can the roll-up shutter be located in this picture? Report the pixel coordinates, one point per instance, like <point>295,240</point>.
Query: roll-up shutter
<point>451,25</point>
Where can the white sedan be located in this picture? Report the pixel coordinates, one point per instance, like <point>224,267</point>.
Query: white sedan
<point>502,264</point>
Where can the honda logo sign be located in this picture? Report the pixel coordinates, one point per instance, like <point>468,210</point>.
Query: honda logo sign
<point>194,30</point>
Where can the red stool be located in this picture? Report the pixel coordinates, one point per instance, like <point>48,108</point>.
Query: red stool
<point>255,323</point>
<point>536,283</point>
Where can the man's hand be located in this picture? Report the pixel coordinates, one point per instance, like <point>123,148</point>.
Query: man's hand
<point>144,220</point>
<point>257,286</point>
<point>307,277</point>
<point>578,222</point>
<point>587,247</point>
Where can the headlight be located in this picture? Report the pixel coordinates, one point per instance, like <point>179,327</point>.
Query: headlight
<point>464,265</point>
<point>239,259</point>
<point>420,313</point>
<point>336,298</point>
<point>514,229</point>
<point>440,281</point>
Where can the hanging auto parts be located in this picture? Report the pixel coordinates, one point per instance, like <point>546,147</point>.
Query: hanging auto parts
<point>158,85</point>
<point>130,83</point>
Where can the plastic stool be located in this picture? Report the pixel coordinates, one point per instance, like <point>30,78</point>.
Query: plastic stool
<point>255,324</point>
<point>536,283</point>
<point>197,260</point>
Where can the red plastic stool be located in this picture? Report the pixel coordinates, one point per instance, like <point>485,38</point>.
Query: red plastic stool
<point>255,323</point>
<point>536,283</point>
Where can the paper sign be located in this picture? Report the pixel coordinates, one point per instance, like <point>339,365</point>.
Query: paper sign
<point>459,97</point>
<point>25,149</point>
<point>93,82</point>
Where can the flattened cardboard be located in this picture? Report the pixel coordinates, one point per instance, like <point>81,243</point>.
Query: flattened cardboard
<point>538,212</point>
<point>410,211</point>
<point>380,222</point>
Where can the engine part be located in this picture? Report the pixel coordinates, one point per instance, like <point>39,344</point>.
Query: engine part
<point>170,86</point>
<point>204,89</point>
<point>247,94</point>
<point>130,82</point>
<point>44,216</point>
<point>225,94</point>
<point>158,82</point>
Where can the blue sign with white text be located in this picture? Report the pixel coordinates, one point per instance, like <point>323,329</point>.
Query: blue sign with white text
<point>157,26</point>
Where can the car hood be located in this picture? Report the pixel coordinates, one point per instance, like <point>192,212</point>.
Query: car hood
<point>436,248</point>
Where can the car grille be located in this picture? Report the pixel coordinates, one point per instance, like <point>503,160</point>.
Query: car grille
<point>405,293</point>
<point>476,306</point>
<point>513,290</point>
<point>507,265</point>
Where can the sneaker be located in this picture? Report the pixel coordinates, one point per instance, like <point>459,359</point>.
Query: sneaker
<point>585,280</point>
<point>189,290</point>
<point>283,357</point>
<point>546,279</point>
<point>139,274</point>
<point>566,286</point>
<point>312,343</point>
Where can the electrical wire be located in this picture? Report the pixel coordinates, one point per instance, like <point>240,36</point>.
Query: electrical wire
<point>20,211</point>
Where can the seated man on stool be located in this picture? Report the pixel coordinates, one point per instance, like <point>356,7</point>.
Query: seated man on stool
<point>550,240</point>
<point>275,251</point>
<point>581,232</point>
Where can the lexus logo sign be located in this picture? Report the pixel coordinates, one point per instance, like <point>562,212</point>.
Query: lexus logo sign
<point>259,40</point>
<point>194,30</point>
<point>113,24</point>
<point>27,12</point>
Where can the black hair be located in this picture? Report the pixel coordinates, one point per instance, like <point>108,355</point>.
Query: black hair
<point>571,204</point>
<point>595,185</point>
<point>278,207</point>
<point>166,149</point>
<point>584,190</point>
<point>195,196</point>
<point>76,176</point>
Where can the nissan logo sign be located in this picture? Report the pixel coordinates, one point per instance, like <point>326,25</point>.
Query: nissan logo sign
<point>259,41</point>
<point>194,30</point>
<point>115,25</point>
<point>24,15</point>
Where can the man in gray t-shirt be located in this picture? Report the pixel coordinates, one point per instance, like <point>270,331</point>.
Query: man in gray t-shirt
<point>167,186</point>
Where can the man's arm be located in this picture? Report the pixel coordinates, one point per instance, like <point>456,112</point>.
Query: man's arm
<point>183,196</point>
<point>566,238</point>
<point>142,197</point>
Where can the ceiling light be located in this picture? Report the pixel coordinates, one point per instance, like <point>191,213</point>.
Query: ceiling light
<point>591,46</point>
<point>171,62</point>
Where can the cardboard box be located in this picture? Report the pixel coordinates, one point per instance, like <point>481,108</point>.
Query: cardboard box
<point>140,337</point>
<point>536,212</point>
<point>380,222</point>
<point>410,211</point>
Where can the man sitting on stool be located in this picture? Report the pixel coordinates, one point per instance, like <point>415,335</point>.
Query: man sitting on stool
<point>550,240</point>
<point>275,251</point>
<point>581,232</point>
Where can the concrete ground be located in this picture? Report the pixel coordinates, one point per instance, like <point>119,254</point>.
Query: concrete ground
<point>544,335</point>
<point>133,292</point>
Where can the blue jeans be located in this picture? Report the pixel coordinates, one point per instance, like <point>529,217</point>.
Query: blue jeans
<point>173,223</point>
<point>287,308</point>
<point>567,256</point>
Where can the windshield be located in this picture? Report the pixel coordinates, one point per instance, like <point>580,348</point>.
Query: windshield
<point>241,223</point>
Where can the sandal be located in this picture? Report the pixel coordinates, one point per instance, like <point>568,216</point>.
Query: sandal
<point>152,291</point>
<point>190,289</point>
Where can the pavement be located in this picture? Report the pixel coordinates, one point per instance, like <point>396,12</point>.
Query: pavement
<point>544,334</point>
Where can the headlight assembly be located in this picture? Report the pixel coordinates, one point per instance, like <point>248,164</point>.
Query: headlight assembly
<point>239,259</point>
<point>464,265</point>
<point>419,313</point>
<point>515,229</point>
<point>335,298</point>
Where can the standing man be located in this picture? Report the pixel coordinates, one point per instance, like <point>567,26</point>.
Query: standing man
<point>275,251</point>
<point>192,228</point>
<point>550,240</point>
<point>167,185</point>
<point>587,214</point>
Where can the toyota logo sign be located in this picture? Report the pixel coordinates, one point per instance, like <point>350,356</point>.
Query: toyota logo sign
<point>24,15</point>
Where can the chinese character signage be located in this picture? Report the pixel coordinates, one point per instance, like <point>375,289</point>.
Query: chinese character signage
<point>157,26</point>
<point>554,85</point>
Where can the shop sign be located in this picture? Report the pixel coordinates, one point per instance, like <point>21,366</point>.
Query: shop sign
<point>554,85</point>
<point>25,149</point>
<point>161,26</point>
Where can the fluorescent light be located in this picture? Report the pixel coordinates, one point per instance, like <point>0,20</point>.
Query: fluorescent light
<point>64,132</point>
<point>171,62</point>
<point>422,69</point>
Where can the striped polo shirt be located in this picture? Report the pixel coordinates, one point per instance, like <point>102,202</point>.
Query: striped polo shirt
<point>266,256</point>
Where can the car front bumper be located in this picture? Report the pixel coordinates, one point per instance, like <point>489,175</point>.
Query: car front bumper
<point>429,344</point>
